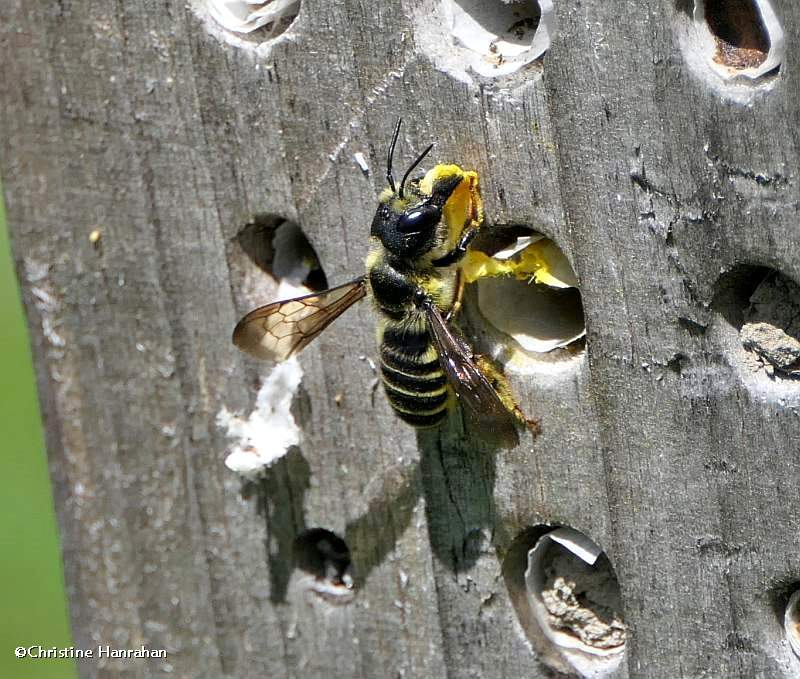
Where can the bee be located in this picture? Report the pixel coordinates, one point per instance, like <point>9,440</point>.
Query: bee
<point>420,233</point>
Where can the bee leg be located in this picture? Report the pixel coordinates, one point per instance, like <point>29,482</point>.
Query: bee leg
<point>458,298</point>
<point>458,252</point>
<point>503,389</point>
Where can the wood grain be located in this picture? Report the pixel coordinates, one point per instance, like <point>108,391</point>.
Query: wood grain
<point>134,119</point>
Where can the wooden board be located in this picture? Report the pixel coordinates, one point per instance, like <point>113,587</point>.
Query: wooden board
<point>141,121</point>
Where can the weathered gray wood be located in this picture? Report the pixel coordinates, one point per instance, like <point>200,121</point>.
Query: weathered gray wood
<point>132,119</point>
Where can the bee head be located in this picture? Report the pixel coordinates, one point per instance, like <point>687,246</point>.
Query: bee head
<point>407,218</point>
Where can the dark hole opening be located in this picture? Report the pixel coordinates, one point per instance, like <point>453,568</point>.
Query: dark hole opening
<point>733,291</point>
<point>325,556</point>
<point>742,38</point>
<point>778,597</point>
<point>525,22</point>
<point>279,247</point>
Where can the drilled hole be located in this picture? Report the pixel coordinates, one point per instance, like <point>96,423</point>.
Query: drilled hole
<point>733,290</point>
<point>325,558</point>
<point>763,307</point>
<point>500,37</point>
<point>791,622</point>
<point>540,319</point>
<point>568,600</point>
<point>249,21</point>
<point>280,248</point>
<point>536,300</point>
<point>740,41</point>
<point>742,38</point>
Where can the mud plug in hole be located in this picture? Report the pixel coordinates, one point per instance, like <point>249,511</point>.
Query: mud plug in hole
<point>763,305</point>
<point>325,560</point>
<point>771,328</point>
<point>567,599</point>
<point>575,600</point>
<point>527,290</point>
<point>500,37</point>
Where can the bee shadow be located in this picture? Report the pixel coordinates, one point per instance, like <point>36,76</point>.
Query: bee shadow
<point>458,477</point>
<point>374,534</point>
<point>279,500</point>
<point>455,475</point>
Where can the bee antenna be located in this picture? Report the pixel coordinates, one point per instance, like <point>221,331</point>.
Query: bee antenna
<point>390,159</point>
<point>419,159</point>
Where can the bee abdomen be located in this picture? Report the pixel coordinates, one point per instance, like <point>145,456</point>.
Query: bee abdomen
<point>426,383</point>
<point>415,385</point>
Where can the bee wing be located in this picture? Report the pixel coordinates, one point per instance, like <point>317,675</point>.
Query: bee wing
<point>281,329</point>
<point>480,400</point>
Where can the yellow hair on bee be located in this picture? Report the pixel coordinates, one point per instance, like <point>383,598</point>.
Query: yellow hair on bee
<point>464,208</point>
<point>419,237</point>
<point>503,389</point>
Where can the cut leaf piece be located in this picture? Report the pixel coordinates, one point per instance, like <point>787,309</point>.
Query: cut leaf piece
<point>538,318</point>
<point>529,258</point>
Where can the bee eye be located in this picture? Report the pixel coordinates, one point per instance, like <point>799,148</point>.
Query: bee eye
<point>419,219</point>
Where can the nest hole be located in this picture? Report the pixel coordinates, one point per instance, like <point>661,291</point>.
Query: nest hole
<point>791,621</point>
<point>325,558</point>
<point>741,36</point>
<point>742,42</point>
<point>567,597</point>
<point>538,318</point>
<point>279,248</point>
<point>500,37</point>
<point>252,22</point>
<point>541,314</point>
<point>763,306</point>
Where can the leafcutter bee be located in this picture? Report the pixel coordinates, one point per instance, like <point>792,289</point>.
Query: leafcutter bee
<point>421,232</point>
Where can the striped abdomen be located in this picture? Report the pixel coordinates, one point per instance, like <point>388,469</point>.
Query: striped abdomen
<point>412,376</point>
